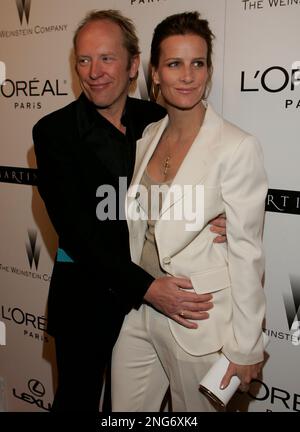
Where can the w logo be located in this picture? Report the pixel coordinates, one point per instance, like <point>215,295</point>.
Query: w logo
<point>23,9</point>
<point>33,250</point>
<point>292,301</point>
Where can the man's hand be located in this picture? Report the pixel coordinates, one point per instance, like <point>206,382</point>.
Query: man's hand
<point>218,226</point>
<point>170,296</point>
<point>246,374</point>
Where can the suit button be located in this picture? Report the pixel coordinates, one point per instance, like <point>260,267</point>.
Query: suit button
<point>166,260</point>
<point>137,195</point>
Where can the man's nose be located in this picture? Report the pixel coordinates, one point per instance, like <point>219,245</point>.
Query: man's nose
<point>96,70</point>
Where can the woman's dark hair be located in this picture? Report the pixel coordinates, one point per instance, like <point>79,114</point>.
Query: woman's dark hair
<point>181,24</point>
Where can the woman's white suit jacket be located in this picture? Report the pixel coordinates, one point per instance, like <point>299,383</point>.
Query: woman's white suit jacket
<point>225,166</point>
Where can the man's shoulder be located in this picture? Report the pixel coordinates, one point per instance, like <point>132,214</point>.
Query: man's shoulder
<point>142,113</point>
<point>142,107</point>
<point>58,116</point>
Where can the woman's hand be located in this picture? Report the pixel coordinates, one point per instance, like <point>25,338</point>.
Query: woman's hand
<point>246,374</point>
<point>218,226</point>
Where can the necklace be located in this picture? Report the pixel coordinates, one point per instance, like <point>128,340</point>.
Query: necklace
<point>166,165</point>
<point>166,160</point>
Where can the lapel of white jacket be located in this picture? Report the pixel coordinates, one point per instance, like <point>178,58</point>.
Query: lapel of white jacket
<point>136,196</point>
<point>201,155</point>
<point>193,169</point>
<point>146,147</point>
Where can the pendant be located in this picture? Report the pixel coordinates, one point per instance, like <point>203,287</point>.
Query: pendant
<point>166,165</point>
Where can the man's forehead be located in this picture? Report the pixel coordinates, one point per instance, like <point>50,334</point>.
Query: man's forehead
<point>101,25</point>
<point>98,31</point>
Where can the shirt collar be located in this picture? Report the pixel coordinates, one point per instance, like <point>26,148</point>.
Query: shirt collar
<point>88,116</point>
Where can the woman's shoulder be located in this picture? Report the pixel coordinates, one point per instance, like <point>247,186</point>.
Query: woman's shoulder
<point>227,126</point>
<point>233,131</point>
<point>229,134</point>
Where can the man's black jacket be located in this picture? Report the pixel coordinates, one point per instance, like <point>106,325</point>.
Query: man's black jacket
<point>78,150</point>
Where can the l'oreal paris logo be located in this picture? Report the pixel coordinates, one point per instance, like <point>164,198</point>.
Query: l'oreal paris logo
<point>274,79</point>
<point>32,88</point>
<point>279,397</point>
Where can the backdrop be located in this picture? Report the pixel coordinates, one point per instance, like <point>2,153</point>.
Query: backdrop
<point>256,85</point>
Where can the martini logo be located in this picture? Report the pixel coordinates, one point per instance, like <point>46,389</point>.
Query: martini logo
<point>33,250</point>
<point>292,302</point>
<point>23,7</point>
<point>283,201</point>
<point>16,175</point>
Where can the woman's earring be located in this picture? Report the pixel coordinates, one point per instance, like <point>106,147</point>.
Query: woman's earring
<point>154,91</point>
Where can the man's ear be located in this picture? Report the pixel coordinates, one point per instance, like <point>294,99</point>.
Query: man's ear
<point>134,66</point>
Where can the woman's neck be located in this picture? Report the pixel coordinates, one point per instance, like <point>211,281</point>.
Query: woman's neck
<point>185,123</point>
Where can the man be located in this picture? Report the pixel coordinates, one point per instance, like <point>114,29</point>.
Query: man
<point>89,143</point>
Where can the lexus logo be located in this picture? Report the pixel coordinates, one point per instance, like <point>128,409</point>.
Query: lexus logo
<point>33,251</point>
<point>23,9</point>
<point>36,388</point>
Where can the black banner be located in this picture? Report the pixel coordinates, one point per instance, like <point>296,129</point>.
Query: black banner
<point>283,201</point>
<point>16,175</point>
<point>278,200</point>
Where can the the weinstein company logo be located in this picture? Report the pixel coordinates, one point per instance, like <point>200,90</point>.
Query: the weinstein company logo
<point>292,303</point>
<point>23,7</point>
<point>33,250</point>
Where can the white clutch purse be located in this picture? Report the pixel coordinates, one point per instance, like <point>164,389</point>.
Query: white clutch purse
<point>210,384</point>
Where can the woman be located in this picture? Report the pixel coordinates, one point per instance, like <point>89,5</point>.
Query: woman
<point>196,160</point>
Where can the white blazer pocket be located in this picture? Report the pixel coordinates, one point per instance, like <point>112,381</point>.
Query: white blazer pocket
<point>212,332</point>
